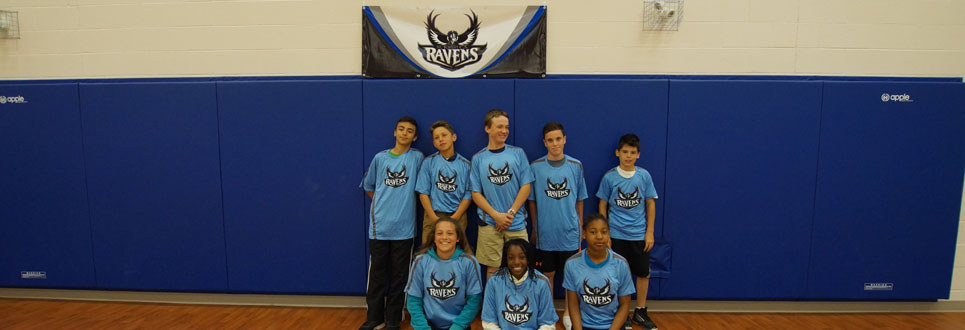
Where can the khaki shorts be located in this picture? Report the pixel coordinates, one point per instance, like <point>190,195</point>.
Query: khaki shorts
<point>427,224</point>
<point>489,245</point>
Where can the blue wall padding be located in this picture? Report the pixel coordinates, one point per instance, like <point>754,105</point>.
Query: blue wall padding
<point>595,114</point>
<point>888,191</point>
<point>291,154</point>
<point>463,103</point>
<point>741,162</point>
<point>154,185</point>
<point>799,190</point>
<point>44,223</point>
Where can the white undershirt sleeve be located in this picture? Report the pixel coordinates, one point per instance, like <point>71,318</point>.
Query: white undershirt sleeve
<point>494,326</point>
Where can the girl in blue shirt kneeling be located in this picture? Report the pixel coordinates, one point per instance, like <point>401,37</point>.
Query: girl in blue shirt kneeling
<point>517,295</point>
<point>444,285</point>
<point>598,282</point>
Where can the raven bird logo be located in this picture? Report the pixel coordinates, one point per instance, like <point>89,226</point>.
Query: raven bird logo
<point>447,184</point>
<point>395,179</point>
<point>517,314</point>
<point>598,297</point>
<point>499,177</point>
<point>628,201</point>
<point>452,50</point>
<point>443,289</point>
<point>452,39</point>
<point>557,190</point>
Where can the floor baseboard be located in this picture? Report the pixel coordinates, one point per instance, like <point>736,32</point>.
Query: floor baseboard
<point>696,306</point>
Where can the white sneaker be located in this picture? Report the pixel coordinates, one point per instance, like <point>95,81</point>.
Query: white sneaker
<point>567,323</point>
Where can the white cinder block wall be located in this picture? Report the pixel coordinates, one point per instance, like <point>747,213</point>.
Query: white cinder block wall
<point>183,38</point>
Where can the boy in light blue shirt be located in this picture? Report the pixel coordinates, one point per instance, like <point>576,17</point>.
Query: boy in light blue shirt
<point>390,181</point>
<point>627,197</point>
<point>556,206</point>
<point>443,184</point>
<point>500,177</point>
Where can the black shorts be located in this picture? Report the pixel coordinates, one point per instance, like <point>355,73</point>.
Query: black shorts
<point>551,261</point>
<point>636,255</point>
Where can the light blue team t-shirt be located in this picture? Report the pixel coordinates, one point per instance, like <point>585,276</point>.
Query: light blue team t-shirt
<point>598,286</point>
<point>498,176</point>
<point>443,285</point>
<point>445,182</point>
<point>393,179</point>
<point>626,202</point>
<point>526,306</point>
<point>556,191</point>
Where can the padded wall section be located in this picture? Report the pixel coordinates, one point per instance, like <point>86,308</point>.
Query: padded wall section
<point>463,103</point>
<point>595,114</point>
<point>741,164</point>
<point>291,156</point>
<point>889,190</point>
<point>155,187</point>
<point>44,221</point>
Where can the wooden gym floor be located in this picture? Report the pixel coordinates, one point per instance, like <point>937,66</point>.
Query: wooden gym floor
<point>68,314</point>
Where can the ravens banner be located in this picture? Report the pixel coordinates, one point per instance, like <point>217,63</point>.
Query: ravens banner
<point>454,42</point>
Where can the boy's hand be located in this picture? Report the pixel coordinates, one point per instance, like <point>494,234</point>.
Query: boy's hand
<point>503,221</point>
<point>648,240</point>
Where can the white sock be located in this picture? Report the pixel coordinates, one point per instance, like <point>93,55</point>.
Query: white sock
<point>567,323</point>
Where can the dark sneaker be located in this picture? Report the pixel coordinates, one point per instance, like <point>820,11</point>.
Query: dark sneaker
<point>627,325</point>
<point>372,325</point>
<point>648,324</point>
<point>641,318</point>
